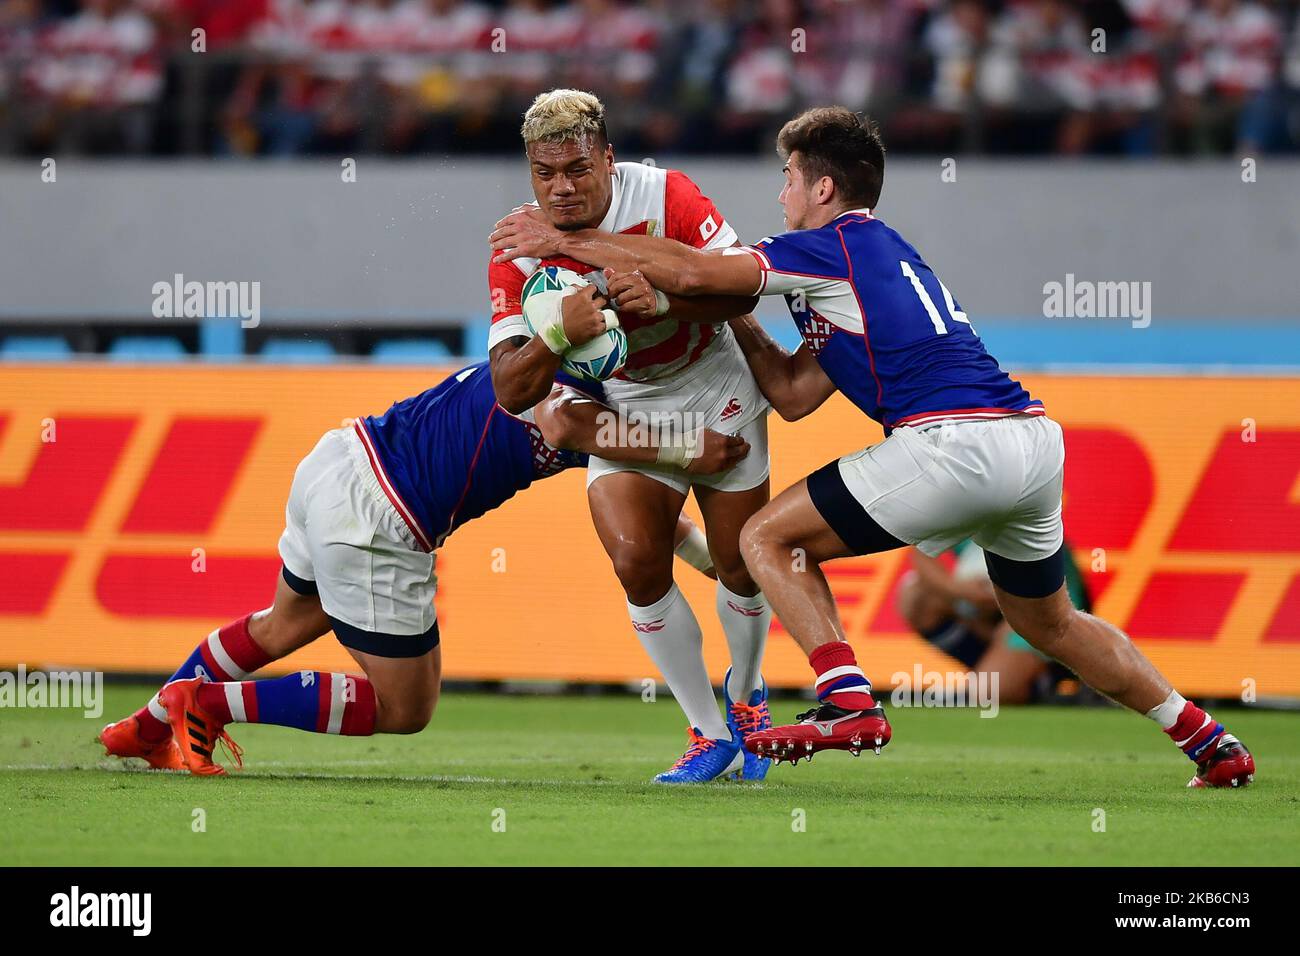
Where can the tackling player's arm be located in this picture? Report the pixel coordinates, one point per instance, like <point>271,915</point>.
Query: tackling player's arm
<point>632,292</point>
<point>569,419</point>
<point>669,266</point>
<point>794,383</point>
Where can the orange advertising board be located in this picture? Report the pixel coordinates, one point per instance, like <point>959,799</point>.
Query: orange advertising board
<point>140,508</point>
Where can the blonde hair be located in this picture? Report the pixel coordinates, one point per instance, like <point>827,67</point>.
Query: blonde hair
<point>560,115</point>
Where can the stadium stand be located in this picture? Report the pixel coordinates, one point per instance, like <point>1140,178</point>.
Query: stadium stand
<point>409,77</point>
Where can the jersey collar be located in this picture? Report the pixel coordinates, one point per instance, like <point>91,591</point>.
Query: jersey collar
<point>611,216</point>
<point>864,211</point>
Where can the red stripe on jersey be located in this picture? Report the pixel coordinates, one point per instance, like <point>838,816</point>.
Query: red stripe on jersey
<point>866,336</point>
<point>968,414</point>
<point>674,347</point>
<point>394,498</point>
<point>469,477</point>
<point>709,333</point>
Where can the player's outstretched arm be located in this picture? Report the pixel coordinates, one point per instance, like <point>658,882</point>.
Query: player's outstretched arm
<point>795,383</point>
<point>569,419</point>
<point>631,292</point>
<point>670,266</point>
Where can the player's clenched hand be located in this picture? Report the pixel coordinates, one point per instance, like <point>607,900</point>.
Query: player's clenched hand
<point>581,313</point>
<point>632,292</point>
<point>527,233</point>
<point>717,452</point>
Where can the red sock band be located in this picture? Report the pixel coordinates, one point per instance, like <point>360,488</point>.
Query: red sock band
<point>834,654</point>
<point>359,713</point>
<point>240,647</point>
<point>151,728</point>
<point>212,698</point>
<point>1193,730</point>
<point>839,679</point>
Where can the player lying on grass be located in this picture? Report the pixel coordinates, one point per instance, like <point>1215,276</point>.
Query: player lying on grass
<point>967,453</point>
<point>683,366</point>
<point>368,508</point>
<point>955,609</point>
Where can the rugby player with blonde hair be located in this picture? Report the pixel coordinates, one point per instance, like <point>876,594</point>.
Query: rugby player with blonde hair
<point>684,367</point>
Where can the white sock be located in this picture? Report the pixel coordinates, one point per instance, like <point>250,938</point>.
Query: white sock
<point>745,622</point>
<point>671,636</point>
<point>1167,713</point>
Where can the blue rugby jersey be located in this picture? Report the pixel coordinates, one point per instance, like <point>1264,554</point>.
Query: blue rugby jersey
<point>452,454</point>
<point>886,331</point>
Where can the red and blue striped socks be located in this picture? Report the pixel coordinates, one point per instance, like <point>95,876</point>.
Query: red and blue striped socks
<point>840,680</point>
<point>315,701</point>
<point>1194,731</point>
<point>228,654</point>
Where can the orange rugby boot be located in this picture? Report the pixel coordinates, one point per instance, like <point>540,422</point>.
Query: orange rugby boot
<point>122,739</point>
<point>195,731</point>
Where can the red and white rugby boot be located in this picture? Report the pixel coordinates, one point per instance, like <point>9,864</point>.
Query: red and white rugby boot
<point>122,739</point>
<point>825,727</point>
<point>1230,765</point>
<point>195,730</point>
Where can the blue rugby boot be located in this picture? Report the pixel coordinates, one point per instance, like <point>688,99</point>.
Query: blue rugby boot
<point>705,759</point>
<point>745,719</point>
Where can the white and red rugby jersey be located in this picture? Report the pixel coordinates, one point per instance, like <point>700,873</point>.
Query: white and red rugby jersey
<point>647,201</point>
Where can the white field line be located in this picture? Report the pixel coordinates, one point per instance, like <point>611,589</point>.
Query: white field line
<point>372,778</point>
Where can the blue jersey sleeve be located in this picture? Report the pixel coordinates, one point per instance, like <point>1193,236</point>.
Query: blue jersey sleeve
<point>807,260</point>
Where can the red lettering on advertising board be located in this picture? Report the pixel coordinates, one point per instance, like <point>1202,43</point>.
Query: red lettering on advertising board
<point>1244,501</point>
<point>68,475</point>
<point>193,472</point>
<point>1184,605</point>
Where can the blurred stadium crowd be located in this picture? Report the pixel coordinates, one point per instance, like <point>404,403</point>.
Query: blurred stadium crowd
<point>302,77</point>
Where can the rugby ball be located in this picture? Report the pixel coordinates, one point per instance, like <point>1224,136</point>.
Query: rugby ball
<point>597,360</point>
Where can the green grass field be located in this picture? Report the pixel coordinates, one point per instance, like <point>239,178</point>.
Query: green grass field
<point>570,775</point>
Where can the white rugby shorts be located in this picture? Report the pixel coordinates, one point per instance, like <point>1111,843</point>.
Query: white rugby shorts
<point>345,541</point>
<point>718,391</point>
<point>997,482</point>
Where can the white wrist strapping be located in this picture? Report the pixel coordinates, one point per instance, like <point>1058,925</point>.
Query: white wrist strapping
<point>546,315</point>
<point>661,303</point>
<point>681,452</point>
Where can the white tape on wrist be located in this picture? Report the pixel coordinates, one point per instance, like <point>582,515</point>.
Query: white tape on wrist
<point>661,303</point>
<point>546,314</point>
<point>681,453</point>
